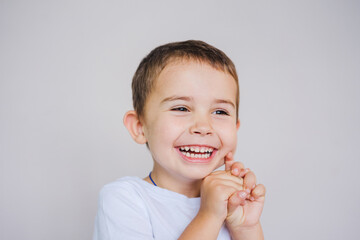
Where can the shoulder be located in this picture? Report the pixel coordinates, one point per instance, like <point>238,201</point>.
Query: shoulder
<point>122,208</point>
<point>122,184</point>
<point>122,189</point>
<point>123,198</point>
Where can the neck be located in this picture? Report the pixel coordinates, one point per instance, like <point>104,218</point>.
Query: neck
<point>189,188</point>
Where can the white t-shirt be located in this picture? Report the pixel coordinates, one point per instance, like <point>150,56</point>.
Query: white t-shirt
<point>131,208</point>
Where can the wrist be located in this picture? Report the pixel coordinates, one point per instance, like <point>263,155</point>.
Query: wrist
<point>247,232</point>
<point>212,213</point>
<point>210,218</point>
<point>203,226</point>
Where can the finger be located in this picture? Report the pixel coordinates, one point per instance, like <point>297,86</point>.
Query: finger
<point>229,160</point>
<point>258,192</point>
<point>230,181</point>
<point>219,172</point>
<point>225,191</point>
<point>249,181</point>
<point>236,199</point>
<point>237,168</point>
<point>230,165</point>
<point>226,175</point>
<point>243,172</point>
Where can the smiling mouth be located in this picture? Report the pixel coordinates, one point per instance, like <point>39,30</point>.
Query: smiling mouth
<point>196,153</point>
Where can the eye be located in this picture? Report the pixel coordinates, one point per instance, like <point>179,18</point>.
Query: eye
<point>180,109</point>
<point>220,112</point>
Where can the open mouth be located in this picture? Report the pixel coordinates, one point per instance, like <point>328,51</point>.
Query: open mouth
<point>196,153</point>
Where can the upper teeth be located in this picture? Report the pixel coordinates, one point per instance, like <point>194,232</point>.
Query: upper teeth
<point>197,149</point>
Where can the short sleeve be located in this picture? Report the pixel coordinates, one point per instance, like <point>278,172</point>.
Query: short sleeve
<point>121,215</point>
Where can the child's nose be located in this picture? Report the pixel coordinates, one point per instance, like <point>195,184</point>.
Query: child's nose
<point>201,126</point>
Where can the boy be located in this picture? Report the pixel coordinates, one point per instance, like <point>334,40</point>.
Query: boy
<point>186,100</point>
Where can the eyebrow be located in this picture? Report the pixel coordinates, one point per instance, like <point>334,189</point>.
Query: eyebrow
<point>174,98</point>
<point>188,99</point>
<point>225,101</point>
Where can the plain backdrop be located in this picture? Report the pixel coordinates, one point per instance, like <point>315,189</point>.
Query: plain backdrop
<point>65,76</point>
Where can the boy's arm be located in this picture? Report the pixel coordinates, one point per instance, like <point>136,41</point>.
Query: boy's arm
<point>202,227</point>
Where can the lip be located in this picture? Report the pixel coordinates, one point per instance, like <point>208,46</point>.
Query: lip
<point>197,160</point>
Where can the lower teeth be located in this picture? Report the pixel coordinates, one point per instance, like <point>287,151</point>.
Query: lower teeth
<point>192,155</point>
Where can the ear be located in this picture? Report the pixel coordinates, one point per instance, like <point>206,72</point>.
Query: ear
<point>238,124</point>
<point>134,126</point>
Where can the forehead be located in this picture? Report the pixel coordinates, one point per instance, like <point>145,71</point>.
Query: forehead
<point>189,75</point>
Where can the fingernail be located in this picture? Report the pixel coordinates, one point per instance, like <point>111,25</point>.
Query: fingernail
<point>242,194</point>
<point>254,186</point>
<point>235,171</point>
<point>247,190</point>
<point>252,198</point>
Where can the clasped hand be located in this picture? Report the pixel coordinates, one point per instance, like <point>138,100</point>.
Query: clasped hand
<point>233,196</point>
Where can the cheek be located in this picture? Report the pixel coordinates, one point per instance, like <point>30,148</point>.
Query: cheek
<point>229,137</point>
<point>165,131</point>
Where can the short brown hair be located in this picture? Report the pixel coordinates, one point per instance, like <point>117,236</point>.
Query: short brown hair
<point>152,65</point>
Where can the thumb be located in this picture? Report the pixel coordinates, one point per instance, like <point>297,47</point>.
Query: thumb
<point>229,161</point>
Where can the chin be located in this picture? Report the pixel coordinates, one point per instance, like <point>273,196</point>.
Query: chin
<point>198,174</point>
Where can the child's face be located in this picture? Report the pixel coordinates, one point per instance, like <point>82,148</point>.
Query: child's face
<point>190,120</point>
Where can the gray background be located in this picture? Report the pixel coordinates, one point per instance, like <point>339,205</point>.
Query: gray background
<point>66,69</point>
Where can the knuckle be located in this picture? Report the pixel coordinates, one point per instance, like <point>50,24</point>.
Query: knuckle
<point>233,200</point>
<point>260,190</point>
<point>240,165</point>
<point>219,188</point>
<point>250,176</point>
<point>263,188</point>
